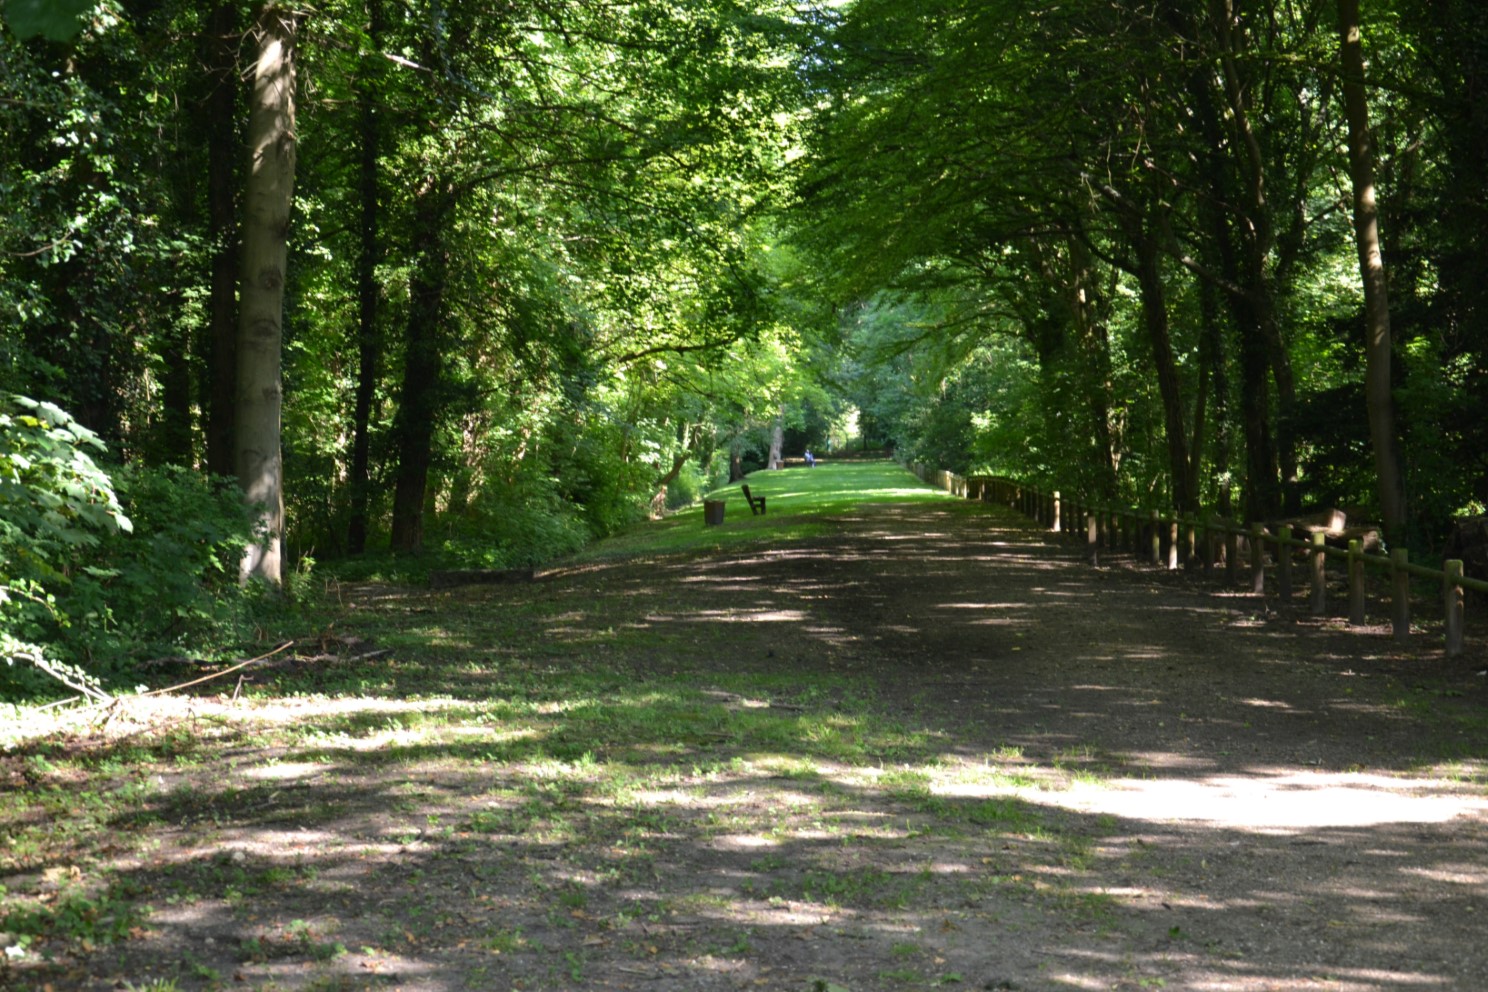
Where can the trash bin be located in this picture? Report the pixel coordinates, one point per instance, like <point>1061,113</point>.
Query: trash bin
<point>712,512</point>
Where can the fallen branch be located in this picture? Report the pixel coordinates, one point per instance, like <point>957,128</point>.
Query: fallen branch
<point>215,675</point>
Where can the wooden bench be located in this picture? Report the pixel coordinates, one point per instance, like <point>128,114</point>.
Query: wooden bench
<point>756,503</point>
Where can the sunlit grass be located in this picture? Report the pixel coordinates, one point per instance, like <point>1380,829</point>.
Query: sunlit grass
<point>800,503</point>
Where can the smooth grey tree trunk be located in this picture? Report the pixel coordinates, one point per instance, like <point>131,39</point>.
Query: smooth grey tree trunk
<point>268,195</point>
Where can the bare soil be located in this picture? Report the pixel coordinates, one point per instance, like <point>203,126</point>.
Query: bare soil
<point>1113,778</point>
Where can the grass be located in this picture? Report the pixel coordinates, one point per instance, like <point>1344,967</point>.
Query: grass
<point>572,747</point>
<point>800,501</point>
<point>538,773</point>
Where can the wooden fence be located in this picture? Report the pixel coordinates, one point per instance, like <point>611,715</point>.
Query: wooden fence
<point>1172,541</point>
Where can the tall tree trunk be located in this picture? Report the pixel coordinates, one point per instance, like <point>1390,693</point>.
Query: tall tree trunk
<point>369,342</point>
<point>1377,394</point>
<point>267,201</point>
<point>1083,393</point>
<point>1095,347</point>
<point>219,395</point>
<point>1227,227</point>
<point>1155,318</point>
<point>736,459</point>
<point>1214,358</point>
<point>687,439</point>
<point>423,367</point>
<point>1261,334</point>
<point>173,433</point>
<point>777,441</point>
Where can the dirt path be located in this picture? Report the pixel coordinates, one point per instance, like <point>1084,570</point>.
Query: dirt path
<point>1067,779</point>
<point>1269,806</point>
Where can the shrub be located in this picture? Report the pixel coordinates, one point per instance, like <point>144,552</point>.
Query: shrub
<point>515,529</point>
<point>55,502</point>
<point>98,572</point>
<point>687,488</point>
<point>169,587</point>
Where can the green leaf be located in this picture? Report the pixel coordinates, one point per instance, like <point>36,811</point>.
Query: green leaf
<point>54,20</point>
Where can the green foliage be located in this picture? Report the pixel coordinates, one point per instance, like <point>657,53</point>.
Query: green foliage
<point>518,528</point>
<point>688,487</point>
<point>55,20</point>
<point>55,502</point>
<point>99,571</point>
<point>170,587</point>
<point>103,918</point>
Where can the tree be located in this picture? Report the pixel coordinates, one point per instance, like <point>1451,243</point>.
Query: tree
<point>220,124</point>
<point>268,199</point>
<point>1377,385</point>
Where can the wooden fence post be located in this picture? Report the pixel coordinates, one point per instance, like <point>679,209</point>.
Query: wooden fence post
<point>1257,560</point>
<point>1156,525</point>
<point>1173,544</point>
<point>1054,513</point>
<point>1400,611</point>
<point>1092,538</point>
<point>1190,544</point>
<point>1284,563</point>
<point>1317,563</point>
<point>1356,582</point>
<point>1452,603</point>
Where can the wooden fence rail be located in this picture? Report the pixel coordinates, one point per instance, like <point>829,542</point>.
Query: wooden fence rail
<point>1171,541</point>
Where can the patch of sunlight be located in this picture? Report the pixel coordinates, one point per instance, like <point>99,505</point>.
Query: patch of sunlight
<point>663,797</point>
<point>789,765</point>
<point>928,535</point>
<point>746,616</point>
<point>1166,759</point>
<point>1357,980</point>
<point>1454,874</point>
<point>1265,801</point>
<point>788,915</point>
<point>1277,802</point>
<point>275,845</point>
<point>1079,981</point>
<point>286,770</point>
<point>131,714</point>
<point>960,780</point>
<point>1199,975</point>
<point>745,842</point>
<point>412,972</point>
<point>405,736</point>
